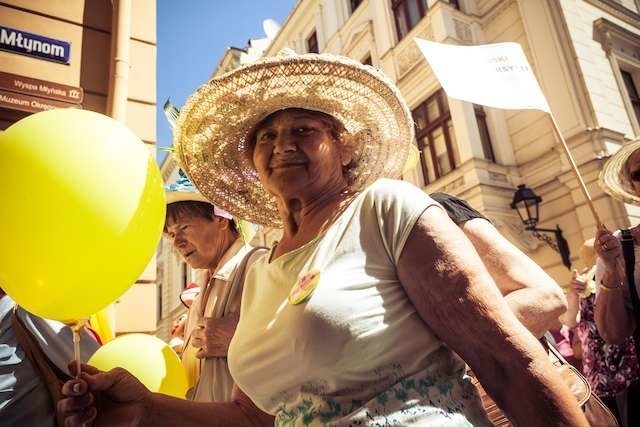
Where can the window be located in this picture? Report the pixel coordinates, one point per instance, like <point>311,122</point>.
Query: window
<point>367,60</point>
<point>485,138</point>
<point>354,4</point>
<point>407,14</point>
<point>312,43</point>
<point>632,92</point>
<point>436,137</point>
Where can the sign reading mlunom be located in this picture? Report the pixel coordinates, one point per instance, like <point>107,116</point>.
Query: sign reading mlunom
<point>25,43</point>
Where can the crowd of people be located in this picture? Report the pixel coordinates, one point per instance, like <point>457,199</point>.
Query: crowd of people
<point>377,297</point>
<point>600,319</point>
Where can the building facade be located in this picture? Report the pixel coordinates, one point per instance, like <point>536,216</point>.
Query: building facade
<point>586,56</point>
<point>97,55</point>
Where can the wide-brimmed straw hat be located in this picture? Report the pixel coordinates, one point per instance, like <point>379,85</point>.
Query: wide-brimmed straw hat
<point>212,131</point>
<point>614,178</point>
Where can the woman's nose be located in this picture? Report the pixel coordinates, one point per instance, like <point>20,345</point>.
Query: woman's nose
<point>284,143</point>
<point>179,240</point>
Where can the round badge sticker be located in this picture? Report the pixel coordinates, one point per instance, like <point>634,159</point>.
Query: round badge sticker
<point>304,287</point>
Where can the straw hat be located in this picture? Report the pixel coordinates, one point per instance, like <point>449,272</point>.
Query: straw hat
<point>614,177</point>
<point>211,134</point>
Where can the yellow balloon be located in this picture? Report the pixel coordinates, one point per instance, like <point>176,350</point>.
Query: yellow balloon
<point>412,159</point>
<point>148,358</point>
<point>100,324</point>
<point>81,208</point>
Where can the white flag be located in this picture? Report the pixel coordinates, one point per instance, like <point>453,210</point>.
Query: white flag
<point>496,75</point>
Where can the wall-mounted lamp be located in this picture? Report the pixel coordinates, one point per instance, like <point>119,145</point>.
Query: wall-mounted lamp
<point>526,203</point>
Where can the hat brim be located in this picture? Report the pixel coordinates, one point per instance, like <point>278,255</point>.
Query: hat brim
<point>214,126</point>
<point>184,196</point>
<point>613,178</point>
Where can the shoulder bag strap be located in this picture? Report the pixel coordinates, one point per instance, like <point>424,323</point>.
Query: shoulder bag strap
<point>629,266</point>
<point>50,375</point>
<point>237,282</point>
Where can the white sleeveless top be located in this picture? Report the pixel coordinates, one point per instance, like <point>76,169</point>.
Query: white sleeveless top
<point>356,352</point>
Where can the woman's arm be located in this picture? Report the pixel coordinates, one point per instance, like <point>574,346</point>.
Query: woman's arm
<point>117,398</point>
<point>456,296</point>
<point>577,285</point>
<point>614,319</point>
<point>239,412</point>
<point>533,296</point>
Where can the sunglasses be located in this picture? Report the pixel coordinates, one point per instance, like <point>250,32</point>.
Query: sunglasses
<point>635,176</point>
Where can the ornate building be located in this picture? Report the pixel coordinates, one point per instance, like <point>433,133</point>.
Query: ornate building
<point>586,55</point>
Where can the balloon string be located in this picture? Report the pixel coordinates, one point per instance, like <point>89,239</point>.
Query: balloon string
<point>76,327</point>
<point>76,351</point>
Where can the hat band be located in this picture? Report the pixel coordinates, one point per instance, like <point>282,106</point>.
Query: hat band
<point>221,213</point>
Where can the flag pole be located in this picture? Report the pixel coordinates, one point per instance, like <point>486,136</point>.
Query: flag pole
<point>583,187</point>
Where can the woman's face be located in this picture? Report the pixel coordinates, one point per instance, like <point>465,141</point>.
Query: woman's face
<point>634,169</point>
<point>296,154</point>
<point>198,240</point>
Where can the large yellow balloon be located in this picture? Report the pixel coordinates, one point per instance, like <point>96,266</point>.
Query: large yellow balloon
<point>148,358</point>
<point>81,209</point>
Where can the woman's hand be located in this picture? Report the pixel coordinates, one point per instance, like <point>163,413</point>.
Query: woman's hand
<point>104,398</point>
<point>608,247</point>
<point>213,335</point>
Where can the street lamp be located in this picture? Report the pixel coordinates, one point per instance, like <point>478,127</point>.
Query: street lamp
<point>526,203</point>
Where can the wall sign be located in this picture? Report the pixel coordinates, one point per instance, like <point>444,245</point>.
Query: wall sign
<point>31,104</point>
<point>45,89</point>
<point>24,43</point>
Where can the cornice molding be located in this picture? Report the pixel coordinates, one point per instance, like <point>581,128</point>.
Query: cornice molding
<point>609,32</point>
<point>627,15</point>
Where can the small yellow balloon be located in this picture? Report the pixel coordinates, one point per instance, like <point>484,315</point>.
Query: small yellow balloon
<point>148,358</point>
<point>82,210</point>
<point>412,159</point>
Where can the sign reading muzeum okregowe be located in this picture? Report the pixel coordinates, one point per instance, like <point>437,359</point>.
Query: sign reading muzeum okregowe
<point>25,43</point>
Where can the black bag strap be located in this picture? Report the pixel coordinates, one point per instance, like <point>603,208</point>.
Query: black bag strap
<point>629,267</point>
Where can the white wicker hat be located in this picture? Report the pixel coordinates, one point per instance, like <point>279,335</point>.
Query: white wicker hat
<point>615,176</point>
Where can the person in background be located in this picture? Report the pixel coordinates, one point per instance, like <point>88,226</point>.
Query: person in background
<point>609,368</point>
<point>363,313</point>
<point>614,312</point>
<point>177,328</point>
<point>206,237</point>
<point>34,353</point>
<point>177,333</point>
<point>533,296</point>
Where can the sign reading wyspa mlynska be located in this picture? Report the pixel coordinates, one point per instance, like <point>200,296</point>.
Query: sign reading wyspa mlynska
<point>24,43</point>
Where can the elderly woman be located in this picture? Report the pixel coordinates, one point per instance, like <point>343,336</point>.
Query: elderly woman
<point>615,309</point>
<point>354,316</point>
